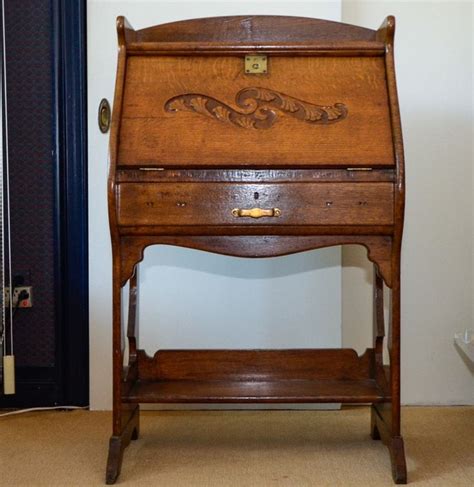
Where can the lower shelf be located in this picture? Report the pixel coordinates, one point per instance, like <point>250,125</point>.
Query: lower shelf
<point>281,391</point>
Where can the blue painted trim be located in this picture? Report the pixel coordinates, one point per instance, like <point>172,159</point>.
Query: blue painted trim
<point>70,118</point>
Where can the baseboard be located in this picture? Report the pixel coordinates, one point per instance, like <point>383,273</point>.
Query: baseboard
<point>35,387</point>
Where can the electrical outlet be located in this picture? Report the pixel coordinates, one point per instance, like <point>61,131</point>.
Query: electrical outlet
<point>24,303</point>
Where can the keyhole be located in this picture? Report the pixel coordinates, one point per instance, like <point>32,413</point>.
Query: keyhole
<point>256,195</point>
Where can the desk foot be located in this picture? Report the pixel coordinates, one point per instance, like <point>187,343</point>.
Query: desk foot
<point>117,446</point>
<point>381,430</point>
<point>397,456</point>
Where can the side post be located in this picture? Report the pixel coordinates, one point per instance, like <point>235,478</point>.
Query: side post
<point>125,416</point>
<point>385,417</point>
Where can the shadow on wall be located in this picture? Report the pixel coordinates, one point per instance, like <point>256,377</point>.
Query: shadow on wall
<point>238,267</point>
<point>468,362</point>
<point>355,256</point>
<point>357,309</point>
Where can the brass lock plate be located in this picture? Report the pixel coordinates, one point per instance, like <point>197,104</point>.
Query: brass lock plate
<point>104,115</point>
<point>255,64</point>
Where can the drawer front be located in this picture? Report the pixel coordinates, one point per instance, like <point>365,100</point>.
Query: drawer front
<point>207,111</point>
<point>177,204</point>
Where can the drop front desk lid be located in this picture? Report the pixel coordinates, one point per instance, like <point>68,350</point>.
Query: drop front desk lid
<point>252,92</point>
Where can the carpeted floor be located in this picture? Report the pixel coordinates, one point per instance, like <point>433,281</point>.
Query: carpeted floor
<point>237,448</point>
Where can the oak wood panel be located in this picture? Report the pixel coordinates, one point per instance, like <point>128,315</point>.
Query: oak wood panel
<point>379,248</point>
<point>254,175</point>
<point>256,365</point>
<point>152,136</point>
<point>300,49</point>
<point>258,231</point>
<point>251,29</point>
<point>251,33</point>
<point>302,203</point>
<point>282,391</point>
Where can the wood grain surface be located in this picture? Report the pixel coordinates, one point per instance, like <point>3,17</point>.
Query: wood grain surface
<point>261,365</point>
<point>184,204</point>
<point>245,29</point>
<point>282,391</point>
<point>149,133</point>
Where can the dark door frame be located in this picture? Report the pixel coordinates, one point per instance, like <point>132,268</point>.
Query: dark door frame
<point>70,156</point>
<point>67,382</point>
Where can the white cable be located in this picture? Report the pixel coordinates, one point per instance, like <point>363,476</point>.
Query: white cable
<point>7,177</point>
<point>50,408</point>
<point>3,337</point>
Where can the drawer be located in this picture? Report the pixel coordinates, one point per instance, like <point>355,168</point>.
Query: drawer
<point>177,204</point>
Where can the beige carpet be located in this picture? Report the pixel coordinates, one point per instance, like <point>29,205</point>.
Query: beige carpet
<point>237,448</point>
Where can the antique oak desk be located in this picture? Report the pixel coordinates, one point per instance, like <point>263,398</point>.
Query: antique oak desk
<point>254,137</point>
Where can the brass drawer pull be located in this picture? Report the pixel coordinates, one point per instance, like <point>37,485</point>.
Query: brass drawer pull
<point>256,212</point>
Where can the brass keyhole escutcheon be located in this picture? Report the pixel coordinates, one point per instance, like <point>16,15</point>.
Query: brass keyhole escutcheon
<point>256,64</point>
<point>104,115</point>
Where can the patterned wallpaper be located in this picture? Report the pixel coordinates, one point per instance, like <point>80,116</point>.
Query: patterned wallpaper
<point>30,96</point>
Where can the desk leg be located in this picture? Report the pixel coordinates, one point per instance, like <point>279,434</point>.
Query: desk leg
<point>385,418</point>
<point>381,429</point>
<point>125,416</point>
<point>118,443</point>
<point>378,342</point>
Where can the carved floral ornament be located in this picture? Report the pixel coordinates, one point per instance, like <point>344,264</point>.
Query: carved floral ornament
<point>259,108</point>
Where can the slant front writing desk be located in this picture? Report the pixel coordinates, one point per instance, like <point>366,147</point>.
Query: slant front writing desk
<point>255,137</point>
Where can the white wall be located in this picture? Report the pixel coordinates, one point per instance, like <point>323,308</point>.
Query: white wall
<point>193,299</point>
<point>433,53</point>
